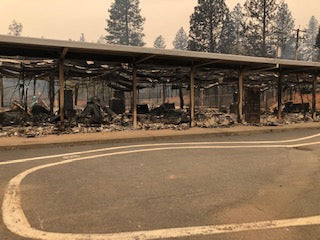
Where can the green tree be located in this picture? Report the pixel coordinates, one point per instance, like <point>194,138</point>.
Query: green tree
<point>227,36</point>
<point>206,24</point>
<point>307,49</point>
<point>284,30</point>
<point>125,23</point>
<point>181,40</point>
<point>260,16</point>
<point>237,18</point>
<point>15,28</point>
<point>159,42</point>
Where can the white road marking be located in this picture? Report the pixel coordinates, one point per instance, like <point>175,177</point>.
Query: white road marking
<point>71,156</point>
<point>16,221</point>
<point>153,145</point>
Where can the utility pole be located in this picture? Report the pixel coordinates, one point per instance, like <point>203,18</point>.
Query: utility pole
<point>298,38</point>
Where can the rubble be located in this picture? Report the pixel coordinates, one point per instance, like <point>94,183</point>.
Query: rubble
<point>39,114</point>
<point>96,117</point>
<point>15,116</point>
<point>91,114</point>
<point>167,114</point>
<point>211,118</point>
<point>291,107</point>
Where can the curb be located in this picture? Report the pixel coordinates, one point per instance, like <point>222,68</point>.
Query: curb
<point>150,137</point>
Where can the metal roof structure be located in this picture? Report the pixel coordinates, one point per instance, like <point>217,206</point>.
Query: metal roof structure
<point>26,47</point>
<point>137,62</point>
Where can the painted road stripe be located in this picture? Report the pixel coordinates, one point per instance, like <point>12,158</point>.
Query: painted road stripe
<point>153,145</point>
<point>16,221</point>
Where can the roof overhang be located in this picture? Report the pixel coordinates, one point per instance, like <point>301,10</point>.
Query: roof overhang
<point>53,49</point>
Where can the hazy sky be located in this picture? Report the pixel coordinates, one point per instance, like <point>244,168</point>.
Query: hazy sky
<point>64,19</point>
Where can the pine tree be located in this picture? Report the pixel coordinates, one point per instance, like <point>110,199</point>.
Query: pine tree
<point>307,49</point>
<point>283,31</point>
<point>206,25</point>
<point>317,45</point>
<point>227,36</point>
<point>318,39</point>
<point>261,15</point>
<point>159,42</point>
<point>181,40</point>
<point>125,24</point>
<point>15,28</point>
<point>239,29</point>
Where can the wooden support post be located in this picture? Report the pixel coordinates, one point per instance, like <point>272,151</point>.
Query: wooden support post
<point>192,104</point>
<point>279,89</point>
<point>61,95</point>
<point>134,96</point>
<point>1,92</point>
<point>240,97</point>
<point>314,96</point>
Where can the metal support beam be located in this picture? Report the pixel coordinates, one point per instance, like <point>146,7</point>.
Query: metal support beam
<point>64,53</point>
<point>181,97</point>
<point>51,92</point>
<point>144,59</point>
<point>134,96</point>
<point>163,93</point>
<point>61,95</point>
<point>248,71</point>
<point>219,96</point>
<point>192,105</point>
<point>207,63</point>
<point>279,89</point>
<point>314,96</point>
<point>76,94</point>
<point>240,97</point>
<point>61,81</point>
<point>1,92</point>
<point>34,86</point>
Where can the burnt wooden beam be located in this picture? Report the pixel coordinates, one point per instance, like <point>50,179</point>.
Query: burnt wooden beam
<point>51,92</point>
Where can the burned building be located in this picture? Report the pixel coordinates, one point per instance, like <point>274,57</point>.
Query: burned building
<point>121,87</point>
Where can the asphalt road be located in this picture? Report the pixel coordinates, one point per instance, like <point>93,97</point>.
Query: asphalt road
<point>204,188</point>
